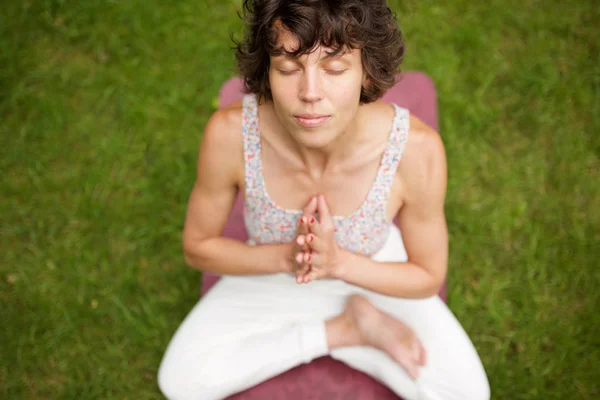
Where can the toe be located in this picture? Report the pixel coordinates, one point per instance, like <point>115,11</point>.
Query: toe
<point>416,351</point>
<point>410,367</point>
<point>422,355</point>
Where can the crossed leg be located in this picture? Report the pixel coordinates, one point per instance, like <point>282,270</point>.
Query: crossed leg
<point>249,329</point>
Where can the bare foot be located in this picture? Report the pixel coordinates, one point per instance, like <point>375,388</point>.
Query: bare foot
<point>386,333</point>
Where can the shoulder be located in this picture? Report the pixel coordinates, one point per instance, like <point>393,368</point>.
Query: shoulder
<point>377,121</point>
<point>222,145</point>
<point>423,167</point>
<point>224,127</point>
<point>380,113</point>
<point>423,142</point>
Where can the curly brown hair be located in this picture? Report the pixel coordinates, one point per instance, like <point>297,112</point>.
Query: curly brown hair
<point>368,25</point>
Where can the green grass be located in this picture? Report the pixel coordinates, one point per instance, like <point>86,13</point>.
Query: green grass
<point>102,106</point>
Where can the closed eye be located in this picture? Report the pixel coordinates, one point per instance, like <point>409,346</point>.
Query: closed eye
<point>286,72</point>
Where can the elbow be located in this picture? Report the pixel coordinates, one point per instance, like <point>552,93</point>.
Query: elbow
<point>434,288</point>
<point>431,289</point>
<point>189,260</point>
<point>432,280</point>
<point>187,248</point>
<point>192,252</point>
<point>438,279</point>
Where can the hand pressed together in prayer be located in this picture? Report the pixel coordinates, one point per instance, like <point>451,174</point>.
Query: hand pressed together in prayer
<point>300,268</point>
<point>318,254</point>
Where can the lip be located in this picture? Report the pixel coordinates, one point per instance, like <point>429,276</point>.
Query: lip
<point>311,120</point>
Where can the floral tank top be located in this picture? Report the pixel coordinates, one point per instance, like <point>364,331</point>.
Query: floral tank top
<point>364,231</point>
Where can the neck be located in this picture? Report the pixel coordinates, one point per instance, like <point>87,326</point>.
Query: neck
<point>328,158</point>
<point>318,161</point>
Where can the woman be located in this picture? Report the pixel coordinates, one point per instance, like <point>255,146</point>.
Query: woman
<point>325,167</point>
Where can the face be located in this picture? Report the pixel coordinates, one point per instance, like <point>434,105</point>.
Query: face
<point>315,96</point>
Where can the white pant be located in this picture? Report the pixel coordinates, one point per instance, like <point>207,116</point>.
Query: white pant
<point>248,329</point>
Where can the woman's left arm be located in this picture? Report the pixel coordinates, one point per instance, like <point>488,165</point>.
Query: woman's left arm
<point>424,231</point>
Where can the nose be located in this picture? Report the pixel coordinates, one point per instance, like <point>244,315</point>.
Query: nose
<point>310,86</point>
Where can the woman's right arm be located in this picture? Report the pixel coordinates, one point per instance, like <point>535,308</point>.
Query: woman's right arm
<point>220,169</point>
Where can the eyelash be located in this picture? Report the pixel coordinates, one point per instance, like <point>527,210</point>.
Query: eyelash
<point>330,72</point>
<point>282,72</point>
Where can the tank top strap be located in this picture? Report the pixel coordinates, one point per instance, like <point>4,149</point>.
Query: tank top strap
<point>251,138</point>
<point>391,156</point>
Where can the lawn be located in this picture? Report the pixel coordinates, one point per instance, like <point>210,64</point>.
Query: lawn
<point>102,107</point>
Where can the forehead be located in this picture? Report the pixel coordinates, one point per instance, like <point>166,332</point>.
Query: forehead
<point>289,42</point>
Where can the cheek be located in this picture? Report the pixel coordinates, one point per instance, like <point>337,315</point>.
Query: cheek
<point>280,88</point>
<point>347,92</point>
<point>283,102</point>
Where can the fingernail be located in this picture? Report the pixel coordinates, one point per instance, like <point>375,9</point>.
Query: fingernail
<point>299,258</point>
<point>307,257</point>
<point>303,220</point>
<point>310,238</point>
<point>312,220</point>
<point>300,240</point>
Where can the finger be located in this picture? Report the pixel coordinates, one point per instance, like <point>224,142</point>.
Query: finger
<point>309,277</point>
<point>323,208</point>
<point>315,243</point>
<point>313,275</point>
<point>302,229</point>
<point>312,259</point>
<point>302,268</point>
<point>311,207</point>
<point>300,226</point>
<point>308,258</point>
<point>303,271</point>
<point>303,224</point>
<point>308,212</point>
<point>315,227</point>
<point>306,277</point>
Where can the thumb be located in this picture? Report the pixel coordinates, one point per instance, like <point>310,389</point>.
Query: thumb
<point>311,207</point>
<point>324,216</point>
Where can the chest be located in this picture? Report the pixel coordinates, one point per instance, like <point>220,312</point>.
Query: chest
<point>345,187</point>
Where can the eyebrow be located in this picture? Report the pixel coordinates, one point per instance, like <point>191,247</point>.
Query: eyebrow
<point>329,55</point>
<point>340,54</point>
